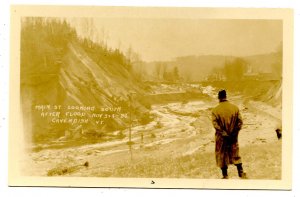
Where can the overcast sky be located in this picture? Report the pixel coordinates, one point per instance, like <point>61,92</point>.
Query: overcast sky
<point>165,39</point>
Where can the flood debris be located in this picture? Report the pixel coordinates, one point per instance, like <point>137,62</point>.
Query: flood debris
<point>61,169</point>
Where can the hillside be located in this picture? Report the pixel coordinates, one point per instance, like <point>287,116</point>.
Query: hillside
<point>197,68</point>
<point>164,129</point>
<point>59,68</point>
<point>194,68</point>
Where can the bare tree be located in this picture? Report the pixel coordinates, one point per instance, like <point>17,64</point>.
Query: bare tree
<point>234,70</point>
<point>158,69</point>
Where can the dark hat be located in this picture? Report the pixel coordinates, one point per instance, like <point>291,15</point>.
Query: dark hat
<point>222,94</point>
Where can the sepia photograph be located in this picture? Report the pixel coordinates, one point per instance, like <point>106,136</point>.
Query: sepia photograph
<point>151,97</point>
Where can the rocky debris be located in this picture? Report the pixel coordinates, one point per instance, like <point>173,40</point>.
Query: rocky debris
<point>63,169</point>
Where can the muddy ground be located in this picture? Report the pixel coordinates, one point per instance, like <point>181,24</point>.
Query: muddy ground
<point>179,143</point>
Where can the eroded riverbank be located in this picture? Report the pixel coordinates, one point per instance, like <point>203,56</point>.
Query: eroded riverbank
<point>180,130</point>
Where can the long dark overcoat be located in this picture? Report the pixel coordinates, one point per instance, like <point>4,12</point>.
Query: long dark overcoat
<point>227,121</point>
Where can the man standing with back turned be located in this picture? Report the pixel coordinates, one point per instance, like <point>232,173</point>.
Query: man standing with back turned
<point>228,122</point>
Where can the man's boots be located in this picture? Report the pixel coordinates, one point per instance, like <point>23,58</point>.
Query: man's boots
<point>224,172</point>
<point>241,172</point>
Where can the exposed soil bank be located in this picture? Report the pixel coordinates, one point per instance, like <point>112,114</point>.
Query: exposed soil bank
<point>178,143</point>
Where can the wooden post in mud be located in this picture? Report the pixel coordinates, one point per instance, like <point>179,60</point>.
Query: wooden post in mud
<point>130,118</point>
<point>142,138</point>
<point>130,124</point>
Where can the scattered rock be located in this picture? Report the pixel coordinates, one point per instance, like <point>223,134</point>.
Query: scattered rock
<point>152,135</point>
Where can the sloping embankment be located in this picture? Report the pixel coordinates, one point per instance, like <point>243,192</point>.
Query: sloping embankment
<point>269,91</point>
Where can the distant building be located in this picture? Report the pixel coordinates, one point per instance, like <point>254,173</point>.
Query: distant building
<point>268,76</point>
<point>260,76</point>
<point>216,77</point>
<point>251,76</point>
